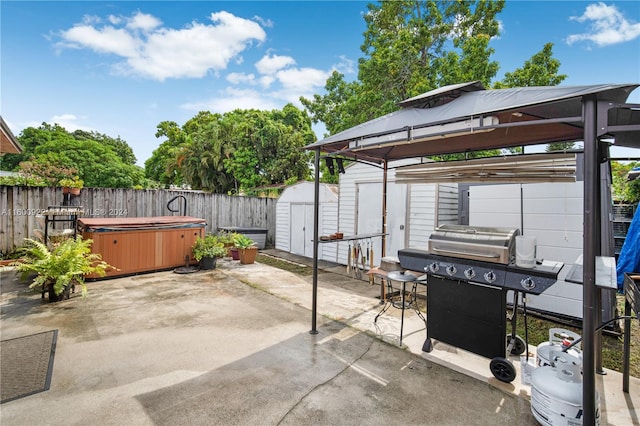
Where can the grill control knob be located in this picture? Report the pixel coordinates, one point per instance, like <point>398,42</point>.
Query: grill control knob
<point>490,276</point>
<point>451,270</point>
<point>469,273</point>
<point>434,267</point>
<point>528,283</point>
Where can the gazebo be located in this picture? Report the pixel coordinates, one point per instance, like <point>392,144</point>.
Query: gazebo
<point>467,117</point>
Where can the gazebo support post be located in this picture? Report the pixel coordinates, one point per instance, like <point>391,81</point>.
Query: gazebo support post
<point>383,250</point>
<point>591,209</point>
<point>316,220</point>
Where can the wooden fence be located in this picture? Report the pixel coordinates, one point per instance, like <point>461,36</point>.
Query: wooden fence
<point>19,206</point>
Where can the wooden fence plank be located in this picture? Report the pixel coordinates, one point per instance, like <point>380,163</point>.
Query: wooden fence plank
<point>218,210</point>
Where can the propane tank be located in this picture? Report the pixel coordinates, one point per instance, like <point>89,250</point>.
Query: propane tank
<point>556,392</point>
<point>559,338</point>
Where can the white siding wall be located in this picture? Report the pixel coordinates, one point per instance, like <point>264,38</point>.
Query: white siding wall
<point>355,173</point>
<point>552,212</point>
<point>283,226</point>
<point>328,226</point>
<point>421,204</point>
<point>447,204</point>
<point>424,201</point>
<point>421,214</point>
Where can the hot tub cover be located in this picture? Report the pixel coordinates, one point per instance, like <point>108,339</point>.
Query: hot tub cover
<point>152,222</point>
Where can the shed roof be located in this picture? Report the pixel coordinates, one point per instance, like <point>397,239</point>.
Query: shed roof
<point>303,193</point>
<point>467,117</point>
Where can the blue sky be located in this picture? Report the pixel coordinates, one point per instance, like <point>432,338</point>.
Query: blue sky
<point>122,67</point>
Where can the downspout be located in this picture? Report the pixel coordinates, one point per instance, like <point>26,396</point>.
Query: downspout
<point>591,187</point>
<point>316,216</point>
<point>383,251</point>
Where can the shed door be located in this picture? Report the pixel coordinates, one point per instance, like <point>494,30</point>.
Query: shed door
<point>301,229</point>
<point>369,216</point>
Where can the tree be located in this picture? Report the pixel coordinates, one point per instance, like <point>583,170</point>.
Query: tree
<point>162,165</point>
<point>411,47</point>
<point>99,160</point>
<point>234,152</point>
<point>119,146</point>
<point>622,188</point>
<point>541,70</point>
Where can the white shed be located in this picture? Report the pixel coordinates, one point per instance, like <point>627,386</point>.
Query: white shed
<point>294,219</point>
<point>413,210</point>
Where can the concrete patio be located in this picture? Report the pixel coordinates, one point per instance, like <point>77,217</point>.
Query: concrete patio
<point>232,346</point>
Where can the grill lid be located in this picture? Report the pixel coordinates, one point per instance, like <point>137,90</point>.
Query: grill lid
<point>487,244</point>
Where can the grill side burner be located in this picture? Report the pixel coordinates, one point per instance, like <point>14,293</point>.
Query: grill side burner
<point>510,277</point>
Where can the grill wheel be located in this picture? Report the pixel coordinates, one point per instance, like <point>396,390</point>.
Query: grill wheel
<point>502,369</point>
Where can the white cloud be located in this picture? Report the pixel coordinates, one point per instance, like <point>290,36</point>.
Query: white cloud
<point>69,122</point>
<point>345,66</point>
<point>266,81</point>
<point>267,23</point>
<point>231,99</point>
<point>302,80</point>
<point>607,26</point>
<point>144,22</point>
<point>159,53</point>
<point>106,40</point>
<point>241,78</point>
<point>269,64</point>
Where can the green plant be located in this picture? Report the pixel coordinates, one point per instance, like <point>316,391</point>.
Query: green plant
<point>74,182</point>
<point>243,242</point>
<point>209,246</point>
<point>227,238</point>
<point>64,264</point>
<point>22,180</point>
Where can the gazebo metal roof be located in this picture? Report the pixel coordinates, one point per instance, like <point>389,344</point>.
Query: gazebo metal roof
<point>466,117</point>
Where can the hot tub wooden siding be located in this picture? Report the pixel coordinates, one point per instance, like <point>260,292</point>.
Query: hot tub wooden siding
<point>146,244</point>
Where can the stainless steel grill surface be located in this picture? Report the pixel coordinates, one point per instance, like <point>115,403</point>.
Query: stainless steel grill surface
<point>496,245</point>
<point>484,255</point>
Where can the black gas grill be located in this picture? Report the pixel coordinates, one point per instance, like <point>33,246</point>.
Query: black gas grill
<point>470,270</point>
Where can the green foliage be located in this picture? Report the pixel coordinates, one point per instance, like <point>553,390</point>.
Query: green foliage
<point>67,262</point>
<point>53,153</point>
<point>540,70</point>
<point>234,152</point>
<point>74,182</point>
<point>410,47</point>
<point>44,169</point>
<point>209,246</point>
<point>119,146</point>
<point>227,238</point>
<point>624,190</point>
<point>560,146</point>
<point>22,180</point>
<point>243,242</point>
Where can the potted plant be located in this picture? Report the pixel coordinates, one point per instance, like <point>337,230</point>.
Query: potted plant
<point>247,249</point>
<point>228,238</point>
<point>60,268</point>
<point>71,185</point>
<point>207,250</point>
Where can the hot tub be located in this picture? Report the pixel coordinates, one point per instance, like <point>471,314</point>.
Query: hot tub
<point>143,244</point>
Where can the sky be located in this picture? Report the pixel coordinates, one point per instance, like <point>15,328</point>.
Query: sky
<point>122,67</point>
